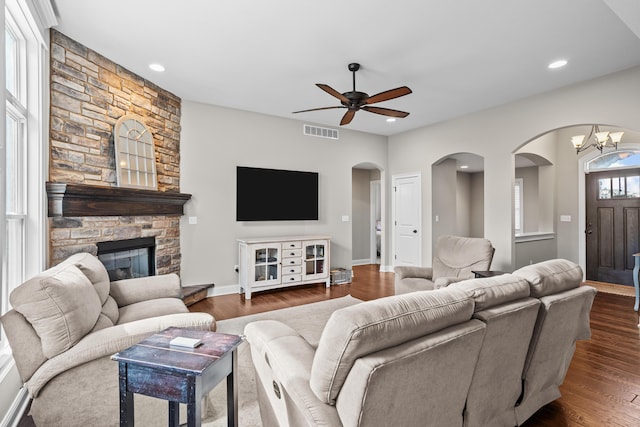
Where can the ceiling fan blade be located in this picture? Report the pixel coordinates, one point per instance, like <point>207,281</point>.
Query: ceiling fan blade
<point>318,109</point>
<point>348,116</point>
<point>388,94</point>
<point>331,91</point>
<point>385,111</point>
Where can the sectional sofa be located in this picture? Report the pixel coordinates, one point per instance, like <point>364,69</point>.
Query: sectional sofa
<point>480,352</point>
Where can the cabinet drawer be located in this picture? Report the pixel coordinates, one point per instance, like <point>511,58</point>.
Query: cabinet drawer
<point>291,261</point>
<point>290,253</point>
<point>292,245</point>
<point>294,269</point>
<point>291,278</point>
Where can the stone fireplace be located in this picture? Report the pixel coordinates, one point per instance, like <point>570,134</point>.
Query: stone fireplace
<point>86,208</point>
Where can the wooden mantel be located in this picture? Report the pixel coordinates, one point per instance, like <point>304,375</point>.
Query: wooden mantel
<point>91,200</point>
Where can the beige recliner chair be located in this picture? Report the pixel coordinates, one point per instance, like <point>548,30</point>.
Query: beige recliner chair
<point>454,260</point>
<point>65,324</point>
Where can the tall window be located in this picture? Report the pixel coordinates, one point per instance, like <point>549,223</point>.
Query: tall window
<point>15,156</point>
<point>21,152</point>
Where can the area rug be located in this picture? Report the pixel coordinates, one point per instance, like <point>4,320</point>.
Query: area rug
<point>303,318</point>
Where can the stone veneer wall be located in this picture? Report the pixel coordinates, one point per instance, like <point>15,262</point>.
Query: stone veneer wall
<point>88,95</point>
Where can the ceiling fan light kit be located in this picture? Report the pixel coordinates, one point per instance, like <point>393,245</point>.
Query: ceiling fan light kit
<point>355,100</point>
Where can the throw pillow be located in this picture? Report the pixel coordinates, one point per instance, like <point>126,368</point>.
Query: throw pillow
<point>61,304</point>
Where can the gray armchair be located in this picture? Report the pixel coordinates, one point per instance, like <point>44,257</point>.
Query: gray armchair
<point>454,260</point>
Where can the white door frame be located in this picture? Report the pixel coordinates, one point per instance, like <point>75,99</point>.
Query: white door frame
<point>374,200</point>
<point>394,178</point>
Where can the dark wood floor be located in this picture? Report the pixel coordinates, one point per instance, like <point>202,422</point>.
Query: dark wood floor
<point>602,387</point>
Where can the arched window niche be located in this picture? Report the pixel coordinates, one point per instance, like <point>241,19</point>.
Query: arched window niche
<point>619,159</point>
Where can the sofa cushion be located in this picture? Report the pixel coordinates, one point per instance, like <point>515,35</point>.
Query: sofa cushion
<point>551,277</point>
<point>371,326</point>
<point>151,308</point>
<point>61,304</point>
<point>95,271</point>
<point>492,291</point>
<point>110,310</point>
<point>97,274</point>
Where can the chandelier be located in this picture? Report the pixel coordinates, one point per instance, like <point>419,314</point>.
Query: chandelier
<point>600,140</point>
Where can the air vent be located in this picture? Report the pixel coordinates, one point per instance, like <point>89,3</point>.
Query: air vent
<point>321,132</point>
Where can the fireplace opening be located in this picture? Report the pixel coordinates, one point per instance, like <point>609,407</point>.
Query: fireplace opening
<point>127,259</point>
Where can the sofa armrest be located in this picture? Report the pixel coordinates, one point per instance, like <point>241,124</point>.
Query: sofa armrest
<point>283,357</point>
<point>106,342</point>
<point>130,291</point>
<point>419,272</point>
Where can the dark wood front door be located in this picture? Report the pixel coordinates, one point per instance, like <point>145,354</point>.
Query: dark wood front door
<point>613,225</point>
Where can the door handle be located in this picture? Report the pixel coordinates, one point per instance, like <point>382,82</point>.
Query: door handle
<point>588,230</point>
<point>415,231</point>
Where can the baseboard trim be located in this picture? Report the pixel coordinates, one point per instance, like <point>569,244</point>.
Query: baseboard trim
<point>17,409</point>
<point>223,290</point>
<point>386,268</point>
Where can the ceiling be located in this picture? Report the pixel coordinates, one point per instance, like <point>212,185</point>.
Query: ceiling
<point>266,56</point>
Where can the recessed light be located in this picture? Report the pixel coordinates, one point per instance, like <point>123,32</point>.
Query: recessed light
<point>464,166</point>
<point>557,64</point>
<point>157,67</point>
<point>391,119</point>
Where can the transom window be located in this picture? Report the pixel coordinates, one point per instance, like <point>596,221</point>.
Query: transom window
<point>615,160</point>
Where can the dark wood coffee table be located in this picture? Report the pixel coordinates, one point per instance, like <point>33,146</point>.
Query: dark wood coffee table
<point>178,374</point>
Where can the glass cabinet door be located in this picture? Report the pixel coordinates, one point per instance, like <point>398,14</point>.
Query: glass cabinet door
<point>266,264</point>
<point>315,260</point>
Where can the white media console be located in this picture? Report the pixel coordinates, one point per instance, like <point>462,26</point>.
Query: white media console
<point>278,262</point>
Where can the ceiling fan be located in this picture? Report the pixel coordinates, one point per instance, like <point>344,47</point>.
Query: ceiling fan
<point>355,100</point>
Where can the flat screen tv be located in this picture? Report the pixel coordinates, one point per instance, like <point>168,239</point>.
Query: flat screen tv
<point>276,195</point>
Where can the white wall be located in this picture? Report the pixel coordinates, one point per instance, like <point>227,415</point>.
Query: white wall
<point>497,132</point>
<point>215,140</point>
<point>534,251</point>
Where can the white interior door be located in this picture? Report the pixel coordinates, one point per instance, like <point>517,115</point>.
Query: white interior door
<point>407,204</point>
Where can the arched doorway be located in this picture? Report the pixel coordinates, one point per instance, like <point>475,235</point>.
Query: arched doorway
<point>458,196</point>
